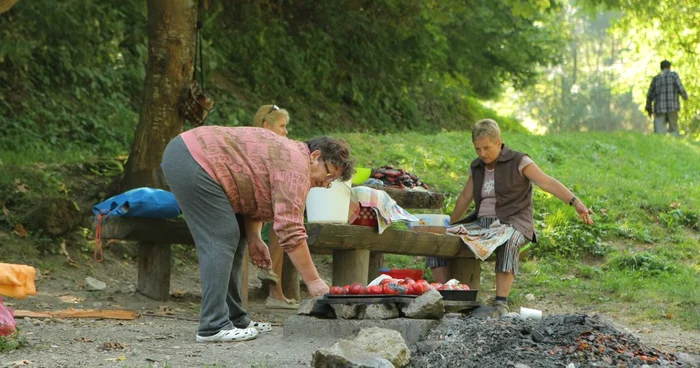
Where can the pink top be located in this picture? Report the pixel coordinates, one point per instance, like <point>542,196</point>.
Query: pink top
<point>265,176</point>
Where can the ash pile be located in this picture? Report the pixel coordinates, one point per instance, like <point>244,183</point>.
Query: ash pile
<point>555,341</point>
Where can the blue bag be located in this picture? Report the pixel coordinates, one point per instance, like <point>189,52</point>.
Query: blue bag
<point>140,202</point>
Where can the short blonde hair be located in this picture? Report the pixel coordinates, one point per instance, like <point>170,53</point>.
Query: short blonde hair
<point>270,113</point>
<point>486,128</point>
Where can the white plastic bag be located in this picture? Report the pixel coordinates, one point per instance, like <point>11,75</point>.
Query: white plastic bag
<point>379,279</point>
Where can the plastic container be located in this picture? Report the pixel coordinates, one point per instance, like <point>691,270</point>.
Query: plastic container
<point>530,313</point>
<point>464,295</point>
<point>366,217</point>
<point>430,220</point>
<point>402,273</point>
<point>361,175</point>
<point>329,205</point>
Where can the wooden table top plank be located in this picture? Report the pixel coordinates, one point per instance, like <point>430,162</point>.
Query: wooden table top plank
<point>322,237</point>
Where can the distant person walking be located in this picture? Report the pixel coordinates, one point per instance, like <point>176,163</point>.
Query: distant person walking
<point>663,92</point>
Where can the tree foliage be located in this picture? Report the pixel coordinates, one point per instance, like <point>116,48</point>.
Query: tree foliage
<point>659,30</point>
<point>72,73</point>
<point>585,91</point>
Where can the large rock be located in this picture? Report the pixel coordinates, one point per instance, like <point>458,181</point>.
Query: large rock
<point>387,343</point>
<point>689,360</point>
<point>312,307</point>
<point>347,354</point>
<point>350,310</point>
<point>381,311</point>
<point>308,327</point>
<point>93,284</point>
<point>426,306</point>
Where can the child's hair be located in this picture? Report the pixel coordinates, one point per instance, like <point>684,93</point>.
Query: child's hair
<point>270,113</point>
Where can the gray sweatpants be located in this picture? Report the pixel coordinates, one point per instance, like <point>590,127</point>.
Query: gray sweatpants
<point>218,235</point>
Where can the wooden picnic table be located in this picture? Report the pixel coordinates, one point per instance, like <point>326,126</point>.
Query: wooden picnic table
<point>357,250</point>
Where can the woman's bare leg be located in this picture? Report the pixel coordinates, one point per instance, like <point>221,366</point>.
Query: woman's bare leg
<point>277,255</point>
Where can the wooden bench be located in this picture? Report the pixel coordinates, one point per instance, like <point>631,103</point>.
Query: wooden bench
<point>357,250</point>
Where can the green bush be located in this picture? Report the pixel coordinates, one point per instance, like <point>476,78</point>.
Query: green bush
<point>642,262</point>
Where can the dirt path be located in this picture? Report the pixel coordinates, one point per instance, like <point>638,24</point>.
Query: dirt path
<point>161,341</point>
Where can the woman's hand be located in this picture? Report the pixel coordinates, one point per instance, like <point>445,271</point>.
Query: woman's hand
<point>317,287</point>
<point>259,253</point>
<point>583,212</point>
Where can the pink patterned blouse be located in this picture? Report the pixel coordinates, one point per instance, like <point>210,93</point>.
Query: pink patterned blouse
<point>265,176</point>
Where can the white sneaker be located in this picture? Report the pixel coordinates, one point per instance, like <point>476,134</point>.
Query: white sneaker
<point>260,327</point>
<point>236,334</point>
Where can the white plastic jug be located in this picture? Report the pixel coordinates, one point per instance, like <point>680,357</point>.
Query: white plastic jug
<point>331,205</point>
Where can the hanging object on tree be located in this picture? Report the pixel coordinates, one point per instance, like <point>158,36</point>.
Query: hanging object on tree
<point>197,105</point>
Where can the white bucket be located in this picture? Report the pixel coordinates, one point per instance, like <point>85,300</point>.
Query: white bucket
<point>329,206</point>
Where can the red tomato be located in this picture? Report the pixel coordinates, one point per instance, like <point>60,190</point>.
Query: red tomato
<point>337,290</point>
<point>356,288</point>
<point>407,281</point>
<point>420,288</point>
<point>346,289</point>
<point>364,291</point>
<point>375,289</point>
<point>436,285</point>
<point>393,289</point>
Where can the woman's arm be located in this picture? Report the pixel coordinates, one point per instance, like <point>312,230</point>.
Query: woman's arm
<point>259,252</point>
<point>557,189</point>
<point>252,228</point>
<point>463,201</point>
<point>301,258</point>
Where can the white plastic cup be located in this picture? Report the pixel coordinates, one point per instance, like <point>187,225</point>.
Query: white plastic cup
<point>530,313</point>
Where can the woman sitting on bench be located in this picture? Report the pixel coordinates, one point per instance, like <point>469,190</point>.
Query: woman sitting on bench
<point>500,184</point>
<point>228,181</point>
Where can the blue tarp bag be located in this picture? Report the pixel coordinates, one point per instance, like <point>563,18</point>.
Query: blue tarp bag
<point>140,202</point>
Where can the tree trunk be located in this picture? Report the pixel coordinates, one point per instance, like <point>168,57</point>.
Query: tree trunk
<point>171,49</point>
<point>5,5</point>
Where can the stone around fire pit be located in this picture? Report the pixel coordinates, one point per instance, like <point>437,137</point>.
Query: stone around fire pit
<point>306,327</point>
<point>381,311</point>
<point>347,354</point>
<point>426,306</point>
<point>389,344</point>
<point>312,307</point>
<point>350,310</point>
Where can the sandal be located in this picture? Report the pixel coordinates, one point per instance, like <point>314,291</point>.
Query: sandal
<point>272,303</point>
<point>268,277</point>
<point>236,334</point>
<point>260,327</point>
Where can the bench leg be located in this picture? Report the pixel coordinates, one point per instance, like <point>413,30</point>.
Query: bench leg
<point>154,270</point>
<point>376,261</point>
<point>290,279</point>
<point>244,279</point>
<point>466,270</point>
<point>350,265</point>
